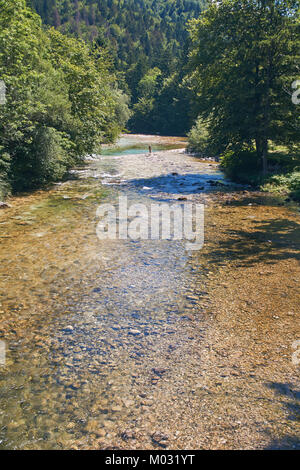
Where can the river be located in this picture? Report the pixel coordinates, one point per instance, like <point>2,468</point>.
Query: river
<point>142,344</point>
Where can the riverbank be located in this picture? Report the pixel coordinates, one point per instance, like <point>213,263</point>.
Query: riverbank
<point>143,345</point>
<point>282,178</point>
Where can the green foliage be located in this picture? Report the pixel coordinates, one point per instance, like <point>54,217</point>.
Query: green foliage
<point>91,90</point>
<point>169,109</point>
<point>241,165</point>
<point>46,159</point>
<point>142,116</point>
<point>122,113</point>
<point>62,101</point>
<point>198,139</point>
<point>148,84</point>
<point>5,162</point>
<point>244,167</point>
<point>146,40</point>
<point>283,159</point>
<point>244,57</point>
<point>148,88</point>
<point>153,31</point>
<point>174,111</point>
<point>287,184</point>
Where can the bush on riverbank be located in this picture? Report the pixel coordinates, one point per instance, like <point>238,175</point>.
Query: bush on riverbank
<point>283,176</point>
<point>242,166</point>
<point>198,139</point>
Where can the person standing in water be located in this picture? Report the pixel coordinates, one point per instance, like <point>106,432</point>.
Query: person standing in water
<point>150,149</point>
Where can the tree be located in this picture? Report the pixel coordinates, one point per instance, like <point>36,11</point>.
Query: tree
<point>244,53</point>
<point>62,99</point>
<point>36,104</point>
<point>139,35</point>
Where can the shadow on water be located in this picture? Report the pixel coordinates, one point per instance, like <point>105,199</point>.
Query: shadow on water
<point>288,442</point>
<point>291,403</point>
<point>269,241</point>
<point>175,183</point>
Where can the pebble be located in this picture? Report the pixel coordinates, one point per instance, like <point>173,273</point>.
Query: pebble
<point>93,426</point>
<point>4,205</point>
<point>192,297</point>
<point>134,332</point>
<point>126,435</point>
<point>128,403</point>
<point>116,408</point>
<point>159,371</point>
<point>159,437</point>
<point>68,328</point>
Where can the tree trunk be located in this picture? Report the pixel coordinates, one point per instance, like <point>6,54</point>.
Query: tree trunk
<point>265,157</point>
<point>262,152</point>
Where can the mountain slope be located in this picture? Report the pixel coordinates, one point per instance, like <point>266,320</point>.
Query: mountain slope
<point>149,31</point>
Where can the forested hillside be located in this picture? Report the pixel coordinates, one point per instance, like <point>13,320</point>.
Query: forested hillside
<point>147,41</point>
<point>152,31</point>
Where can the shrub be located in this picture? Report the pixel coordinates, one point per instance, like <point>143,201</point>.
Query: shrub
<point>198,138</point>
<point>5,162</point>
<point>242,165</point>
<point>285,183</point>
<point>45,159</point>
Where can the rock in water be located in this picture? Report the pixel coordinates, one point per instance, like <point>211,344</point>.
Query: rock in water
<point>4,205</point>
<point>159,371</point>
<point>126,435</point>
<point>134,332</point>
<point>160,438</point>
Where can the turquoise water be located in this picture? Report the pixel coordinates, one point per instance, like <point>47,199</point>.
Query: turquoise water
<point>137,149</point>
<point>135,145</point>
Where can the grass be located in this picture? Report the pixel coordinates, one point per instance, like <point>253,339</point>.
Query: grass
<point>284,184</point>
<point>283,176</point>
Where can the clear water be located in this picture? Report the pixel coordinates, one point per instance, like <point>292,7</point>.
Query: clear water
<point>134,145</point>
<point>75,372</point>
<point>138,150</point>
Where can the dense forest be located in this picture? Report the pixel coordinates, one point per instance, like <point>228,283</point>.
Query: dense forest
<point>147,41</point>
<point>77,72</point>
<point>244,63</point>
<point>151,32</point>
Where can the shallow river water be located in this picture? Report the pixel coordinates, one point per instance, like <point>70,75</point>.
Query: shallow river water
<point>102,338</point>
